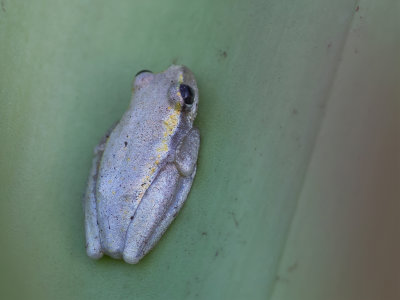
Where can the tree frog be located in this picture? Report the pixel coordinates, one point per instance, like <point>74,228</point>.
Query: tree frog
<point>143,168</point>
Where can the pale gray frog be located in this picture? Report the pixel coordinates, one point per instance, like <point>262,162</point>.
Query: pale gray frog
<point>144,167</point>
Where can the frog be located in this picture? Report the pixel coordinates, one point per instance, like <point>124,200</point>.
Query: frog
<point>144,166</point>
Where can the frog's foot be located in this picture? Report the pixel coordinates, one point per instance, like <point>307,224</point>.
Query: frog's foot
<point>150,213</point>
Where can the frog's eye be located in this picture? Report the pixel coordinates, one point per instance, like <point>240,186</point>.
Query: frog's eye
<point>143,71</point>
<point>187,94</point>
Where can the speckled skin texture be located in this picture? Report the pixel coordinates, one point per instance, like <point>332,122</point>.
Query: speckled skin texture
<point>143,168</point>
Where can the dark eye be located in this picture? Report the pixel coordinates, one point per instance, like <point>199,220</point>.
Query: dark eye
<point>143,71</point>
<point>187,94</point>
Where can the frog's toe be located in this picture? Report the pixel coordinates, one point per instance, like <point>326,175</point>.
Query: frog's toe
<point>93,252</point>
<point>112,235</point>
<point>132,257</point>
<point>93,245</point>
<point>113,249</point>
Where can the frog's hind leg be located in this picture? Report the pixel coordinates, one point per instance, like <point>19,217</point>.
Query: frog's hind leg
<point>181,195</point>
<point>93,246</point>
<point>150,212</point>
<point>92,232</point>
<point>162,200</point>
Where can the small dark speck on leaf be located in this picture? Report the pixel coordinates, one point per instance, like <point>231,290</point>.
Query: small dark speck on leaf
<point>283,280</point>
<point>358,8</point>
<point>292,267</point>
<point>126,143</point>
<point>216,253</point>
<point>131,217</point>
<point>204,233</point>
<point>329,45</point>
<point>234,219</point>
<point>222,53</point>
<point>295,111</point>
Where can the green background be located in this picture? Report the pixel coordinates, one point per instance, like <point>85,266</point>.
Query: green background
<point>266,71</point>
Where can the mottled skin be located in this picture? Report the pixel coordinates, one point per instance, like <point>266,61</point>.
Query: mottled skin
<point>143,168</point>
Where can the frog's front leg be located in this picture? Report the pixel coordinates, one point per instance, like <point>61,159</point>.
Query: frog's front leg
<point>187,152</point>
<point>93,245</point>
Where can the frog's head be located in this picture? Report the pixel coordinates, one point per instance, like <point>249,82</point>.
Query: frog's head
<point>178,84</point>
